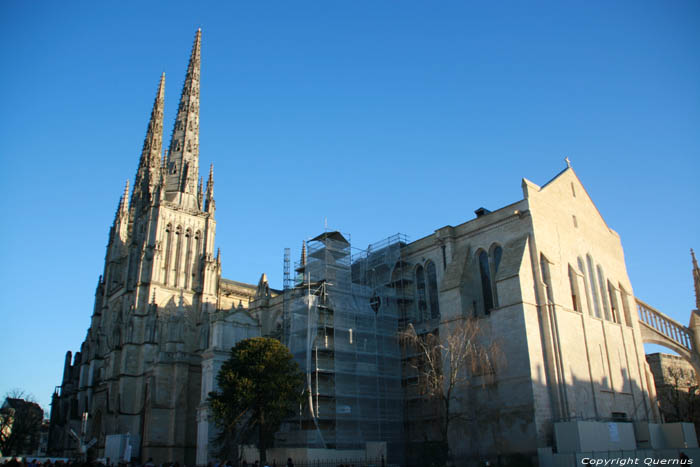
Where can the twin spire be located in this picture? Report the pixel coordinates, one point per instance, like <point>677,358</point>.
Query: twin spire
<point>148,173</point>
<point>183,157</point>
<point>174,177</point>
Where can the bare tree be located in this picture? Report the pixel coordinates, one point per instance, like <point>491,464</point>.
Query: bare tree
<point>447,363</point>
<point>20,423</point>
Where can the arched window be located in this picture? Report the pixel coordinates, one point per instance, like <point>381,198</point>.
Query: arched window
<point>178,254</point>
<point>591,282</point>
<point>432,289</point>
<point>168,251</point>
<point>420,294</point>
<point>582,270</point>
<point>603,292</point>
<point>485,273</point>
<point>197,256</point>
<point>575,295</point>
<point>496,254</point>
<point>188,257</point>
<point>624,298</point>
<point>546,279</point>
<point>614,307</point>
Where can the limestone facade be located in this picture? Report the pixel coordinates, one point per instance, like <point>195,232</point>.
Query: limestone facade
<point>545,276</point>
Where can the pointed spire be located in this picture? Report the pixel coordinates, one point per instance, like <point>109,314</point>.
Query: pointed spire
<point>183,158</point>
<point>303,253</point>
<point>148,173</point>
<point>210,205</point>
<point>696,279</point>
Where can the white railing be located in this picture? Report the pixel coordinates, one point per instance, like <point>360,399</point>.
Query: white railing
<point>664,325</point>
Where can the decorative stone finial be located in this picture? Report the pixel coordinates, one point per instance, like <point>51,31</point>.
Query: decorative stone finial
<point>568,162</point>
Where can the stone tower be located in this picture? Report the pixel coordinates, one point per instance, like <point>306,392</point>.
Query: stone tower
<point>139,368</point>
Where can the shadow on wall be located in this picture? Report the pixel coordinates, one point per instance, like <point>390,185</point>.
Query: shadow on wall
<point>505,423</point>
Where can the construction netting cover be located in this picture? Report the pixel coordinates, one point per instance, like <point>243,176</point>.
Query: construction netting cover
<point>342,325</point>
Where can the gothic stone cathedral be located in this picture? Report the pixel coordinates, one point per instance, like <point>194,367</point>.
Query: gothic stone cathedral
<point>545,276</point>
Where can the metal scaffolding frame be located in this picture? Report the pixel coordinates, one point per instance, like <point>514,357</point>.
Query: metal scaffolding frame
<point>344,314</point>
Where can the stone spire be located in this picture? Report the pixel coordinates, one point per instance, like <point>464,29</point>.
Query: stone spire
<point>148,173</point>
<point>210,205</point>
<point>696,279</point>
<point>183,157</point>
<point>302,262</point>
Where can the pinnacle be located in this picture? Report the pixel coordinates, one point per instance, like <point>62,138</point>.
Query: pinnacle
<point>123,200</point>
<point>125,196</point>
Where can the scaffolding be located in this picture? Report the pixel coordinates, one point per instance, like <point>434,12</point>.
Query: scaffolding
<point>344,315</point>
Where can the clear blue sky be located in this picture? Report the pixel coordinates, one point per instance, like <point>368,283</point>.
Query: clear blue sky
<point>382,117</point>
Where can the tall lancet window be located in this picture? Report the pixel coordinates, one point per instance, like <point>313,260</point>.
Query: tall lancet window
<point>592,283</point>
<point>603,292</point>
<point>197,256</point>
<point>546,279</point>
<point>432,289</point>
<point>496,254</point>
<point>575,294</point>
<point>421,302</point>
<point>582,270</point>
<point>168,252</point>
<point>188,258</point>
<point>624,298</point>
<point>178,255</point>
<point>485,273</point>
<point>614,307</point>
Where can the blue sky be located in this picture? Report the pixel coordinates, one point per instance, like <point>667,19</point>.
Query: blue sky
<point>382,117</point>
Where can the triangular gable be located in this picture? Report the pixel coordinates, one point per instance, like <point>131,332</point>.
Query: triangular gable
<point>566,175</point>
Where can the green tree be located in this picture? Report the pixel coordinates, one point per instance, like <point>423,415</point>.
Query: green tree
<point>259,386</point>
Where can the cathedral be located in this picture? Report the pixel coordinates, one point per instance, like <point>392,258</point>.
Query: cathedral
<point>544,276</point>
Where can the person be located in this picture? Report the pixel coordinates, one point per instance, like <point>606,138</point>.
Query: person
<point>289,462</point>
